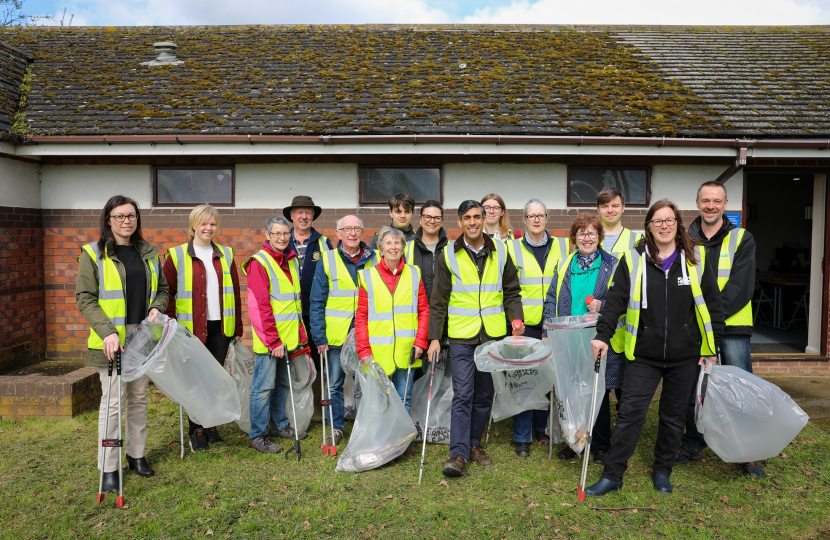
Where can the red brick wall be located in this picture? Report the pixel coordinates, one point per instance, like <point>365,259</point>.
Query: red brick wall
<point>22,326</point>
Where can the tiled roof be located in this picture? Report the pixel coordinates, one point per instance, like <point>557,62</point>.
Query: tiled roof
<point>531,80</point>
<point>12,69</point>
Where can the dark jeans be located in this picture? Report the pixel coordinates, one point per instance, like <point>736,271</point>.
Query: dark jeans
<point>217,344</point>
<point>472,400</point>
<point>639,385</point>
<point>601,436</point>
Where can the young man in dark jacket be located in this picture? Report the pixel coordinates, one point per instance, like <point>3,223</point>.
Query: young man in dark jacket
<point>401,208</point>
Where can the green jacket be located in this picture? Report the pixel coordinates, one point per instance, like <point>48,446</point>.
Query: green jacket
<point>86,295</point>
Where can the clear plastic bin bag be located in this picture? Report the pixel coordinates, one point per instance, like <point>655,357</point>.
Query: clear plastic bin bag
<point>513,352</point>
<point>303,374</point>
<point>349,403</point>
<point>240,363</point>
<point>440,410</point>
<point>522,389</point>
<point>382,430</point>
<point>348,355</point>
<point>570,342</point>
<point>183,369</point>
<point>744,418</point>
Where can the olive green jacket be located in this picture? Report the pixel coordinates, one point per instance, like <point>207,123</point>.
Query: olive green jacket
<point>86,294</point>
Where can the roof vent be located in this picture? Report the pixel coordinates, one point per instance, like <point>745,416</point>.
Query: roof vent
<point>166,55</point>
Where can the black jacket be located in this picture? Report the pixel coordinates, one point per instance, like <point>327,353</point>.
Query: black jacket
<point>425,259</point>
<point>668,332</point>
<point>738,291</point>
<point>312,255</point>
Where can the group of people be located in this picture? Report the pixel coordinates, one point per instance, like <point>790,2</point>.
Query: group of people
<point>411,295</point>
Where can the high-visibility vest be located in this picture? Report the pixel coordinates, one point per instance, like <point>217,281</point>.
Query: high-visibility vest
<point>393,318</point>
<point>727,255</point>
<point>409,252</point>
<point>560,278</point>
<point>286,301</point>
<point>475,301</point>
<point>625,242</point>
<point>535,281</point>
<point>111,293</point>
<point>184,291</point>
<point>341,303</point>
<point>632,314</point>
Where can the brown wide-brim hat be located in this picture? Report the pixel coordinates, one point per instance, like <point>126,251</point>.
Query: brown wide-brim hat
<point>301,201</point>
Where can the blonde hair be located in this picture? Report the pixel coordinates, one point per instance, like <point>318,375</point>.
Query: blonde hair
<point>504,221</point>
<point>200,215</point>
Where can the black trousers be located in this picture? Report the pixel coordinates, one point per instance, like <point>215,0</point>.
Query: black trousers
<point>639,385</point>
<point>217,344</point>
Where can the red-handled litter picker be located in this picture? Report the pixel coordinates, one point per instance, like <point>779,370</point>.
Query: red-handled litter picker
<point>517,323</point>
<point>112,443</point>
<point>426,420</point>
<point>327,401</point>
<point>581,489</point>
<point>293,411</point>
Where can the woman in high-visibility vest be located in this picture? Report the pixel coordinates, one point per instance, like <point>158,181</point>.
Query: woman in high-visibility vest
<point>496,220</point>
<point>392,313</point>
<point>206,301</point>
<point>119,284</point>
<point>674,321</point>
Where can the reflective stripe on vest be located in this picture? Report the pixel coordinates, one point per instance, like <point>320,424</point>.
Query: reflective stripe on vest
<point>409,252</point>
<point>475,301</point>
<point>625,242</point>
<point>341,303</point>
<point>184,291</point>
<point>533,280</point>
<point>728,248</point>
<point>286,301</point>
<point>392,318</point>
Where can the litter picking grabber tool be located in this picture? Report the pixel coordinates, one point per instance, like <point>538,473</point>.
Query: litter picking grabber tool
<point>551,420</point>
<point>180,442</point>
<point>333,448</point>
<point>112,443</point>
<point>323,403</point>
<point>581,489</point>
<point>426,420</point>
<point>294,413</point>
<point>408,371</point>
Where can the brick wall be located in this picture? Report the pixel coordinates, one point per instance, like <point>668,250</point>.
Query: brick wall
<point>22,325</point>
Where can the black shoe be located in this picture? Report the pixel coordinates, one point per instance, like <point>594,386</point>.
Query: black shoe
<point>661,483</point>
<point>110,482</point>
<point>684,456</point>
<point>599,457</point>
<point>523,449</point>
<point>198,441</point>
<point>602,487</point>
<point>140,466</point>
<point>213,436</point>
<point>754,469</point>
<point>566,453</point>
<point>542,437</point>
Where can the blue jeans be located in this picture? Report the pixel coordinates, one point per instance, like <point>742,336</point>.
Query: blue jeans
<point>268,393</point>
<point>526,422</point>
<point>398,379</point>
<point>338,377</point>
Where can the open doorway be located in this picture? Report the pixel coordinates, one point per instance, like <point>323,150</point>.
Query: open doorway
<point>780,211</point>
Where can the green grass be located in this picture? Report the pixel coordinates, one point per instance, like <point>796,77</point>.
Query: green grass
<point>48,483</point>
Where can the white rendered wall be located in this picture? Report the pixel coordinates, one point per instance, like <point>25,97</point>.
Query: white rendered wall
<point>19,184</point>
<point>90,186</point>
<point>679,184</point>
<point>516,183</point>
<point>331,185</point>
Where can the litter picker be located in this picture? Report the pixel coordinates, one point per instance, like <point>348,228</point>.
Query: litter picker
<point>408,371</point>
<point>333,448</point>
<point>112,443</point>
<point>323,403</point>
<point>293,411</point>
<point>581,489</point>
<point>517,323</point>
<point>426,420</point>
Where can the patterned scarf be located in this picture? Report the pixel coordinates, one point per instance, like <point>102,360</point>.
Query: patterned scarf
<point>586,262</point>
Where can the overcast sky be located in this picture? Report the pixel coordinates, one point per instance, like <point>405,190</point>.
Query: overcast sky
<point>185,12</point>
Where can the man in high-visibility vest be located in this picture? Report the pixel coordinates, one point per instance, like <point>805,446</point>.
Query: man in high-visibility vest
<point>334,303</point>
<point>734,250</point>
<point>474,285</point>
<point>611,207</point>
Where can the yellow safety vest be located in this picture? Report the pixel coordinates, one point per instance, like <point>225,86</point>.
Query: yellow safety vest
<point>393,318</point>
<point>286,301</point>
<point>632,315</point>
<point>184,291</point>
<point>475,301</point>
<point>341,303</point>
<point>727,255</point>
<point>625,242</point>
<point>535,281</point>
<point>111,293</point>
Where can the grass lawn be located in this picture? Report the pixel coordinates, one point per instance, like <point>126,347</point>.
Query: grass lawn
<point>48,483</point>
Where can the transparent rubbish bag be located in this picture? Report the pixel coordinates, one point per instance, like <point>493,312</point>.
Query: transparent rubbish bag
<point>570,343</point>
<point>744,418</point>
<point>183,369</point>
<point>440,410</point>
<point>382,430</point>
<point>522,374</point>
<point>303,374</point>
<point>348,397</point>
<point>350,363</point>
<point>240,364</point>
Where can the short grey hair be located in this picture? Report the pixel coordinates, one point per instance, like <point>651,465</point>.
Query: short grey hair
<point>390,231</point>
<point>339,221</point>
<point>535,201</point>
<point>274,220</point>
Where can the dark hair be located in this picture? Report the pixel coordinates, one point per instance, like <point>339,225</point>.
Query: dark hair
<point>106,232</point>
<point>504,220</point>
<point>609,194</point>
<point>683,241</point>
<point>467,205</point>
<point>583,221</point>
<point>712,183</point>
<point>432,203</point>
<point>402,199</point>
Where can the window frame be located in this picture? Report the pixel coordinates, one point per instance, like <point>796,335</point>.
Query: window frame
<point>156,169</point>
<point>646,168</point>
<point>384,204</point>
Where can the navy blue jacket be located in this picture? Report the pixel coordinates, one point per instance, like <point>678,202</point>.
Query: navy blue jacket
<point>309,265</point>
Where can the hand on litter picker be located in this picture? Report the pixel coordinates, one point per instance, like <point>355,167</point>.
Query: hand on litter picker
<point>709,360</point>
<point>112,344</point>
<point>434,349</point>
<point>418,352</point>
<point>322,348</point>
<point>279,351</point>
<point>599,347</point>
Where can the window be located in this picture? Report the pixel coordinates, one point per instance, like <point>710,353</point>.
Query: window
<point>191,186</point>
<point>379,184</point>
<point>584,183</point>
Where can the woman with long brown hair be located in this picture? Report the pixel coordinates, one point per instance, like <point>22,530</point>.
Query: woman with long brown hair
<point>674,321</point>
<point>496,219</point>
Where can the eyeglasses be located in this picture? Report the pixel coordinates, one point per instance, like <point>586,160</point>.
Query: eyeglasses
<point>432,219</point>
<point>492,209</point>
<point>536,217</point>
<point>350,230</point>
<point>280,234</point>
<point>668,221</point>
<point>119,218</point>
<point>590,235</point>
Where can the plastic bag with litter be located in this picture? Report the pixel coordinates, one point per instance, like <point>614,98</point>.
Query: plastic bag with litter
<point>350,362</point>
<point>183,369</point>
<point>382,430</point>
<point>744,418</point>
<point>570,342</point>
<point>440,410</point>
<point>240,363</point>
<point>303,374</point>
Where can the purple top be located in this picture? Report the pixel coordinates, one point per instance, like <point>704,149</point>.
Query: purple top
<point>667,262</point>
